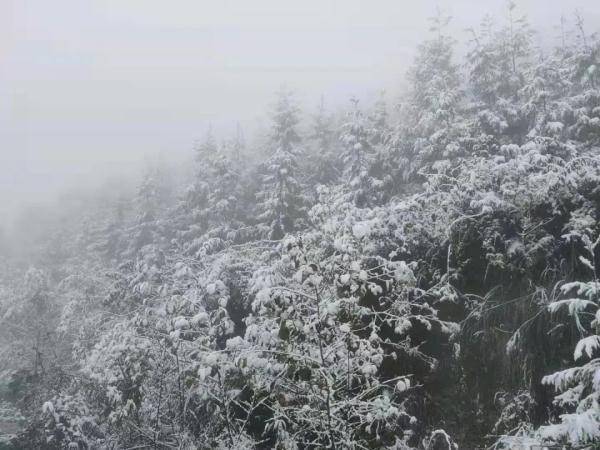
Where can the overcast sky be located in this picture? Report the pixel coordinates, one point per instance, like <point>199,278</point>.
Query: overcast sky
<point>89,87</point>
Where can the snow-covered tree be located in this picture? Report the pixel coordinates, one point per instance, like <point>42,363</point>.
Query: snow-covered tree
<point>498,64</point>
<point>358,157</point>
<point>578,387</point>
<point>378,122</point>
<point>323,165</point>
<point>429,132</point>
<point>281,203</point>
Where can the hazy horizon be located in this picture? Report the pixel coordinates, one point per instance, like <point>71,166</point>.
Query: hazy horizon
<point>92,89</point>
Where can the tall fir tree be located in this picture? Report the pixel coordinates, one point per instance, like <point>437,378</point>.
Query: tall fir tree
<point>281,204</point>
<point>323,163</point>
<point>428,136</point>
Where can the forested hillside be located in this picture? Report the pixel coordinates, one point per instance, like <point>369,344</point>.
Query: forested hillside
<point>416,274</point>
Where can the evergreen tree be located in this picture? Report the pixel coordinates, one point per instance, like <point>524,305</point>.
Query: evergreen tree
<point>281,204</point>
<point>430,132</point>
<point>498,63</point>
<point>357,157</point>
<point>378,122</point>
<point>323,165</point>
<point>152,196</point>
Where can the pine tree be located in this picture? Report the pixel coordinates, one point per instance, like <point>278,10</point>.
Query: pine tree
<point>578,387</point>
<point>191,220</point>
<point>223,173</point>
<point>113,234</point>
<point>197,196</point>
<point>280,198</point>
<point>498,64</point>
<point>357,157</point>
<point>323,164</point>
<point>378,122</point>
<point>152,195</point>
<point>435,79</point>
<point>583,61</point>
<point>430,130</point>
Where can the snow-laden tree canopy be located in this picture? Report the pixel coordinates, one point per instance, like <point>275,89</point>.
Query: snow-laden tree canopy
<point>422,275</point>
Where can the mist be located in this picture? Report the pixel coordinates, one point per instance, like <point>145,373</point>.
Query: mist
<point>92,90</point>
<point>253,225</point>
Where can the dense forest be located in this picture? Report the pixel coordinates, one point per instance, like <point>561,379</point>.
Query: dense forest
<point>419,274</point>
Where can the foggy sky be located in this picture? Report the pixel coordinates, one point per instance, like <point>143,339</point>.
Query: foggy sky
<point>87,88</point>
